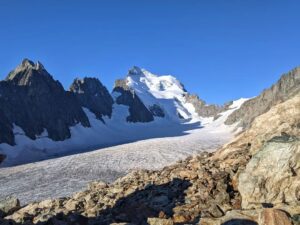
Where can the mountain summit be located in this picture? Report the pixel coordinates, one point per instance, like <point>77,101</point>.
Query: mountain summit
<point>31,99</point>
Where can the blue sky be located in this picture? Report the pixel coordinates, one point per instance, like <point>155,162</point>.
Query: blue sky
<point>221,50</point>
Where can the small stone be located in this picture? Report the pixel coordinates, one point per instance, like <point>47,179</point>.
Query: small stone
<point>158,221</point>
<point>181,218</point>
<point>71,205</point>
<point>162,215</point>
<point>274,217</point>
<point>97,185</point>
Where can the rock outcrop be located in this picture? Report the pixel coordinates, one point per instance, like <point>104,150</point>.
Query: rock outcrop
<point>203,109</point>
<point>138,112</point>
<point>283,118</point>
<point>9,206</point>
<point>93,95</point>
<point>287,87</point>
<point>272,176</point>
<point>31,99</point>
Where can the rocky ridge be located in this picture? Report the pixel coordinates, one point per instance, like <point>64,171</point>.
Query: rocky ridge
<point>203,109</point>
<point>92,95</point>
<point>31,99</point>
<point>207,189</point>
<point>286,87</point>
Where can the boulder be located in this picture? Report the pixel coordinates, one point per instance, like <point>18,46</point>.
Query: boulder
<point>158,221</point>
<point>272,176</point>
<point>274,217</point>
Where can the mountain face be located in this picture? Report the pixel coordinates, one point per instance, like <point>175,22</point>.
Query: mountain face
<point>92,95</point>
<point>287,86</point>
<point>138,112</point>
<point>31,99</point>
<point>164,96</point>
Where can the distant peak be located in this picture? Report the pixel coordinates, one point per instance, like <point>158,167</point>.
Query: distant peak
<point>27,63</point>
<point>135,70</point>
<point>39,66</point>
<point>26,70</point>
<point>86,84</point>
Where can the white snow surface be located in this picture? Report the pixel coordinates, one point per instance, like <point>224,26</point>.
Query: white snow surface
<point>134,146</point>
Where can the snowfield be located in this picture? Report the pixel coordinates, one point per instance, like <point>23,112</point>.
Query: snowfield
<point>156,145</point>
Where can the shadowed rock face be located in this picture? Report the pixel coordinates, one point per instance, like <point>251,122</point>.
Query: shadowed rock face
<point>2,157</point>
<point>31,99</point>
<point>138,112</point>
<point>285,88</point>
<point>93,95</point>
<point>157,111</point>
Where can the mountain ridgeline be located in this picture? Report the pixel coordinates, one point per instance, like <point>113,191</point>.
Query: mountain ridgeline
<point>32,100</point>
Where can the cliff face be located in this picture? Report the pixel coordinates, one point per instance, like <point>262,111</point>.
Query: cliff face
<point>285,88</point>
<point>138,112</point>
<point>93,95</point>
<point>31,99</point>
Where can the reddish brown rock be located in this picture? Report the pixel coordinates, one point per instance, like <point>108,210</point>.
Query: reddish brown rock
<point>274,217</point>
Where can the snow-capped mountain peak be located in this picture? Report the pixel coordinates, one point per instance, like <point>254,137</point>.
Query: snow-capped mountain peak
<point>164,86</point>
<point>163,91</point>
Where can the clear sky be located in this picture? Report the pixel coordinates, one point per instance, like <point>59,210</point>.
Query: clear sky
<point>221,50</point>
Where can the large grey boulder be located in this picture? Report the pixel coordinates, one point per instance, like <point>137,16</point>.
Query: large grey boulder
<point>93,95</point>
<point>272,176</point>
<point>138,112</point>
<point>287,87</point>
<point>31,99</point>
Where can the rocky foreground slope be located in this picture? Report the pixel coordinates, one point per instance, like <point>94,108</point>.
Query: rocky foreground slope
<point>253,180</point>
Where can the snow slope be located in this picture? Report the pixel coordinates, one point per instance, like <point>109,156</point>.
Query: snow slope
<point>65,175</point>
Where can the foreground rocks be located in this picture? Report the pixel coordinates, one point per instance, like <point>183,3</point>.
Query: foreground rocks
<point>9,206</point>
<point>199,190</point>
<point>272,175</point>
